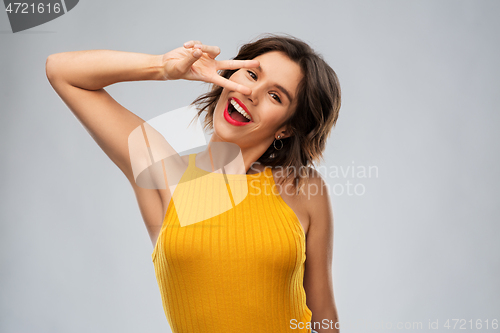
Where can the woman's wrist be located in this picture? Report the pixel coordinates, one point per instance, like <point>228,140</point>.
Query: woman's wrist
<point>162,73</point>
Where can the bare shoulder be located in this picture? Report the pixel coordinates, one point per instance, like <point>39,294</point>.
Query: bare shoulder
<point>311,186</point>
<point>315,194</point>
<point>311,203</point>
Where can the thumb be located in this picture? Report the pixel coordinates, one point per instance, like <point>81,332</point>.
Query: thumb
<point>186,63</point>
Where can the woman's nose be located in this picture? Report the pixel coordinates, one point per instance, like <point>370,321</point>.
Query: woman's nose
<point>253,98</point>
<point>254,95</point>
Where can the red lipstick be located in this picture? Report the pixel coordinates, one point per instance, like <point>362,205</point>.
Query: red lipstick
<point>231,120</point>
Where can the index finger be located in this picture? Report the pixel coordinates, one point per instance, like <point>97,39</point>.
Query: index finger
<point>231,85</point>
<point>236,64</point>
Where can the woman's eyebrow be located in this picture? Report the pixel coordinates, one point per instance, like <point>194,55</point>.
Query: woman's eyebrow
<point>283,90</point>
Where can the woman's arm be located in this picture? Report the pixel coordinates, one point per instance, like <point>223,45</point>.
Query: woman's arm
<point>96,69</point>
<point>78,78</point>
<point>318,282</point>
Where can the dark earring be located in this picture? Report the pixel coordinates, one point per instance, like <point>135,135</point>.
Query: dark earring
<point>274,143</point>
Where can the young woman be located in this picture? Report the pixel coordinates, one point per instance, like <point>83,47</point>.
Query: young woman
<point>242,268</point>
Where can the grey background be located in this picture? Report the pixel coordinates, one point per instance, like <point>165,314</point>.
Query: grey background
<point>420,102</point>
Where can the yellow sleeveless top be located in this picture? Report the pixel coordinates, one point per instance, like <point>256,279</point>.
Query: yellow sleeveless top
<point>238,269</point>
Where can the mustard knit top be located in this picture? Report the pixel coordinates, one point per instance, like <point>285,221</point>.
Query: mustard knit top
<point>230,256</point>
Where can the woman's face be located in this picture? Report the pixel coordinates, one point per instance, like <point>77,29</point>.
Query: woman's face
<point>273,99</point>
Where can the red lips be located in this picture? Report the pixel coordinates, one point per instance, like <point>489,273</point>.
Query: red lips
<point>231,120</point>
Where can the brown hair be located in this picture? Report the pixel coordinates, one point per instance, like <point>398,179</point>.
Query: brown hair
<point>318,105</point>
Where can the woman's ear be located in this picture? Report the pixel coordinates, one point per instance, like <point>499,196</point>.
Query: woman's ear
<point>283,132</point>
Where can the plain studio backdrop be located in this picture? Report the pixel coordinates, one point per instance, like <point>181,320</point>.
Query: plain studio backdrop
<point>416,243</point>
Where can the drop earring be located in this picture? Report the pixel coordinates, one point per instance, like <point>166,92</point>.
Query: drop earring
<point>274,143</point>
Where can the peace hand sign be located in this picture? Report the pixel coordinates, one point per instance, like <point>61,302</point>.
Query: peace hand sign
<point>196,62</point>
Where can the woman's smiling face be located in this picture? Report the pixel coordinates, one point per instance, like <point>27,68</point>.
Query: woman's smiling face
<point>273,100</point>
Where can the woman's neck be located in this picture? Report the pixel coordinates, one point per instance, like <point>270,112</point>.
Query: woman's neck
<point>226,158</point>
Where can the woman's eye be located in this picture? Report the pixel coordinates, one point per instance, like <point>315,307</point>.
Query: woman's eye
<point>252,74</point>
<point>276,97</point>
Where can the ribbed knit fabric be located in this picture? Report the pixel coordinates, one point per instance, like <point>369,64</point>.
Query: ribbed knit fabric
<point>239,271</point>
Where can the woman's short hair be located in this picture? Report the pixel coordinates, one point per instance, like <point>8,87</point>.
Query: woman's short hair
<point>316,113</point>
